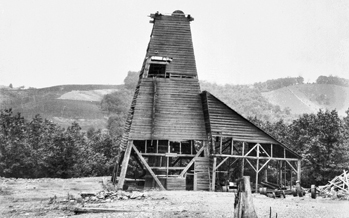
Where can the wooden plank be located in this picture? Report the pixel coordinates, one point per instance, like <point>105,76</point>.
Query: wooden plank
<point>291,166</point>
<point>176,182</point>
<point>257,169</point>
<point>221,163</point>
<point>170,168</point>
<point>299,170</point>
<point>81,210</point>
<point>265,164</point>
<point>253,157</point>
<point>148,168</point>
<point>213,188</point>
<point>124,166</point>
<point>195,182</point>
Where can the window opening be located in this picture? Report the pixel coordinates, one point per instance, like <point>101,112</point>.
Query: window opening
<point>157,70</point>
<point>155,66</point>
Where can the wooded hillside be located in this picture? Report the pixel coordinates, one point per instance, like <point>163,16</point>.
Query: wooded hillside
<point>37,147</point>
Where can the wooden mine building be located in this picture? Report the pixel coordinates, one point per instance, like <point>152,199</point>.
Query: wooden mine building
<point>183,137</point>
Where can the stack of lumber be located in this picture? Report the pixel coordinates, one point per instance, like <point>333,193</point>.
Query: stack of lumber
<point>338,187</point>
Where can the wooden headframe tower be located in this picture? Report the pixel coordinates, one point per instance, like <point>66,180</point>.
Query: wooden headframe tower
<point>180,135</point>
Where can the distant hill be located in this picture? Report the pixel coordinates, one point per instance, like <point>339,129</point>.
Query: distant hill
<point>82,103</point>
<point>62,104</point>
<point>309,98</point>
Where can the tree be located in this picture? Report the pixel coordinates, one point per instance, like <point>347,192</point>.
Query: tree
<point>117,102</point>
<point>40,148</point>
<point>320,139</point>
<point>131,80</point>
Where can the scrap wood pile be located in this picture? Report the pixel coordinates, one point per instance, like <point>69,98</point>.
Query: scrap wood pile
<point>338,187</point>
<point>109,196</point>
<point>102,197</point>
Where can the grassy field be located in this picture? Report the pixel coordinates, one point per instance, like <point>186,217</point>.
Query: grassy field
<point>309,98</point>
<point>61,104</point>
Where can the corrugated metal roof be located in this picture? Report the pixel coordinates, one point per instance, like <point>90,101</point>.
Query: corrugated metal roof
<point>225,121</point>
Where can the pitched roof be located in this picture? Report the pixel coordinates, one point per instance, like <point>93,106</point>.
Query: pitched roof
<point>223,120</point>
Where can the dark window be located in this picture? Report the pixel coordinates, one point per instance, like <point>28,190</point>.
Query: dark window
<point>157,70</point>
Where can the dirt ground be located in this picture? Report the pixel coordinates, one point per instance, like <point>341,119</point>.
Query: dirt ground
<point>31,198</point>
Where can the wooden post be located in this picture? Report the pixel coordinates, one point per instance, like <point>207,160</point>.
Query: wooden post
<point>243,206</point>
<point>243,160</point>
<point>195,182</point>
<point>191,146</point>
<point>279,173</point>
<point>299,171</point>
<point>214,174</point>
<point>257,169</point>
<point>124,165</point>
<point>220,144</point>
<point>180,147</point>
<point>168,158</point>
<point>146,146</point>
<point>232,147</point>
<point>167,165</point>
<point>285,173</point>
<point>291,179</point>
<point>266,174</point>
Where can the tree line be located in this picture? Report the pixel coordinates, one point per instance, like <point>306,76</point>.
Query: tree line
<point>40,148</point>
<point>322,139</point>
<point>332,80</point>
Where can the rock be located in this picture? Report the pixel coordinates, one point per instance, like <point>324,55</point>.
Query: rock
<point>84,194</point>
<point>136,194</point>
<point>79,200</point>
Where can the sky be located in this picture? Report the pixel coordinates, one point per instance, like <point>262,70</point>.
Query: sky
<point>55,42</point>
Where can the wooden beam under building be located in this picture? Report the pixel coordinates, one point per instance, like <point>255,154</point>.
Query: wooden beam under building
<point>213,188</point>
<point>148,167</point>
<point>192,161</point>
<point>124,165</point>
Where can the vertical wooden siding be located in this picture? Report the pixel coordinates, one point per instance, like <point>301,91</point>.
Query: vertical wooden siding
<point>171,37</point>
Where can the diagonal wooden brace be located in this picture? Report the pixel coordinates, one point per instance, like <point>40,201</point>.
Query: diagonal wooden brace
<point>124,166</point>
<point>191,162</point>
<point>148,168</point>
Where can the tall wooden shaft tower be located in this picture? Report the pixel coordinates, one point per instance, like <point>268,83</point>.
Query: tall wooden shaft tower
<point>187,139</point>
<point>165,128</point>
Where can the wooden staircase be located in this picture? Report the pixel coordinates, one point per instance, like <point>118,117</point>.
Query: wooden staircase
<point>202,174</point>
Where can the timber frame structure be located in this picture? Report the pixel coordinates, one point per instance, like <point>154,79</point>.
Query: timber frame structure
<point>183,137</point>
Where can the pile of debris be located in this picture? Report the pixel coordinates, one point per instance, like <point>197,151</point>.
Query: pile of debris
<point>101,197</point>
<point>337,188</point>
<point>110,196</point>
